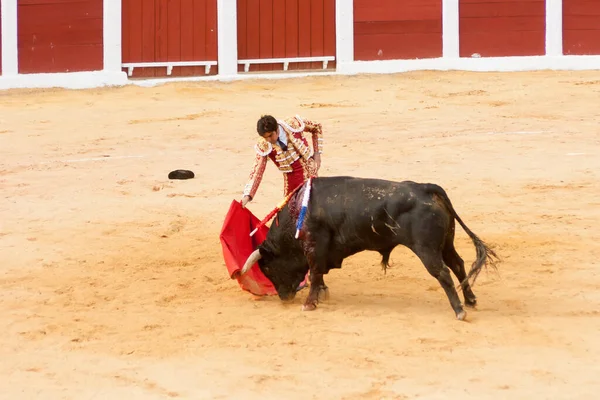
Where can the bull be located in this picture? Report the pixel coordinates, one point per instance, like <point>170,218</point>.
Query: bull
<point>347,215</point>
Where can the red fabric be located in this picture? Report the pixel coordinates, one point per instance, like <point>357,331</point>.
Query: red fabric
<point>238,245</point>
<point>293,179</point>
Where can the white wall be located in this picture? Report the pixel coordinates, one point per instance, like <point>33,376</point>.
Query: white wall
<point>450,31</point>
<point>227,55</point>
<point>112,74</point>
<point>10,60</point>
<point>112,35</point>
<point>554,28</point>
<point>344,31</point>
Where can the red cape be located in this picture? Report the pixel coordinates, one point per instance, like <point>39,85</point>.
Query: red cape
<point>238,245</point>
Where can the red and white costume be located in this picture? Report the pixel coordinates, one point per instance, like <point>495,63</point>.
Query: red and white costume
<point>295,162</point>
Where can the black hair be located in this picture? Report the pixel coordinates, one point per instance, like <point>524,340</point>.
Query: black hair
<point>266,123</point>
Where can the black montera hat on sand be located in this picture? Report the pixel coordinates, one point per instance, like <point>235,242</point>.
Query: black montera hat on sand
<point>181,174</point>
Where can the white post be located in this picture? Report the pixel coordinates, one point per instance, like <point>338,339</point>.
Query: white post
<point>554,27</point>
<point>112,35</point>
<point>344,31</point>
<point>450,29</point>
<point>10,50</point>
<point>227,37</point>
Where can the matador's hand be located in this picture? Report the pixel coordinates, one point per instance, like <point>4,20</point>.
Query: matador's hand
<point>317,158</point>
<point>245,201</point>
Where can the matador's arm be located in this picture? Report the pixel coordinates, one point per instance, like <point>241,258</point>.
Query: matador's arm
<point>316,130</point>
<point>256,175</point>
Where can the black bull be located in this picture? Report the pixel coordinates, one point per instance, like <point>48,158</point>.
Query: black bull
<point>347,215</point>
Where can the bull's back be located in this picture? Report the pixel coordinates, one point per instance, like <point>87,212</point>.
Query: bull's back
<point>363,200</point>
<point>374,214</point>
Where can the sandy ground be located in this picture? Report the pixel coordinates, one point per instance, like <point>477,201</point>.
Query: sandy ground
<point>113,285</point>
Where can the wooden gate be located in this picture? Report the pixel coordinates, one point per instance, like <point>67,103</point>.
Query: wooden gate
<point>169,37</point>
<point>60,36</point>
<point>581,27</point>
<point>391,29</point>
<point>276,35</point>
<point>502,28</point>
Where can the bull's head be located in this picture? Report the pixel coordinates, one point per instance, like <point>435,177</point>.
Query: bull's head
<point>285,272</point>
<point>280,258</point>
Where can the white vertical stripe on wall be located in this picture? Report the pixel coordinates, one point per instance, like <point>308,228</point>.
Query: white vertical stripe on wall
<point>112,31</point>
<point>10,52</point>
<point>554,27</point>
<point>450,29</point>
<point>344,31</point>
<point>227,47</point>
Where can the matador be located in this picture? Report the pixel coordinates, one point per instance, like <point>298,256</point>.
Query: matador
<point>285,143</point>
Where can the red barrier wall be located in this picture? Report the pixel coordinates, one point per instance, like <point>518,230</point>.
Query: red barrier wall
<point>391,29</point>
<point>581,27</point>
<point>286,28</point>
<point>60,35</point>
<point>169,30</point>
<point>498,28</point>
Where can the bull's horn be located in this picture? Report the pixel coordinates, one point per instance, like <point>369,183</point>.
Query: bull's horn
<point>254,257</point>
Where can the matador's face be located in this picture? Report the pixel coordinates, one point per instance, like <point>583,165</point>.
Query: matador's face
<point>271,137</point>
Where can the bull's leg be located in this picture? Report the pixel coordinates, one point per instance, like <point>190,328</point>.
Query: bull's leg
<point>457,265</point>
<point>323,293</point>
<point>432,260</point>
<point>316,254</point>
<point>316,286</point>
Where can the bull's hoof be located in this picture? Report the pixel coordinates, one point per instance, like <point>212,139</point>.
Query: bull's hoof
<point>324,294</point>
<point>461,316</point>
<point>309,307</point>
<point>470,304</point>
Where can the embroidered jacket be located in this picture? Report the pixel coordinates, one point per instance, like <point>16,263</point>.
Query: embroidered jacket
<point>297,148</point>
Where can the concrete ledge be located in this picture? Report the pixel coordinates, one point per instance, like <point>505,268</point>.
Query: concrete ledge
<point>235,77</point>
<point>88,80</point>
<point>70,80</point>
<point>491,64</point>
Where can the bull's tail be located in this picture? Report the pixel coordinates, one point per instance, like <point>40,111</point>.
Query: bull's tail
<point>485,255</point>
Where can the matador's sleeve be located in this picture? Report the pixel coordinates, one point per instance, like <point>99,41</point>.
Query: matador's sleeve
<point>256,174</point>
<point>316,130</point>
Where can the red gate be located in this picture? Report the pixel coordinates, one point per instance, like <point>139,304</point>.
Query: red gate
<point>391,29</point>
<point>502,28</point>
<point>60,36</point>
<point>274,35</point>
<point>169,37</point>
<point>581,27</point>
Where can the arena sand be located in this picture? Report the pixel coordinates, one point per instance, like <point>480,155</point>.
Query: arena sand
<point>112,282</point>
